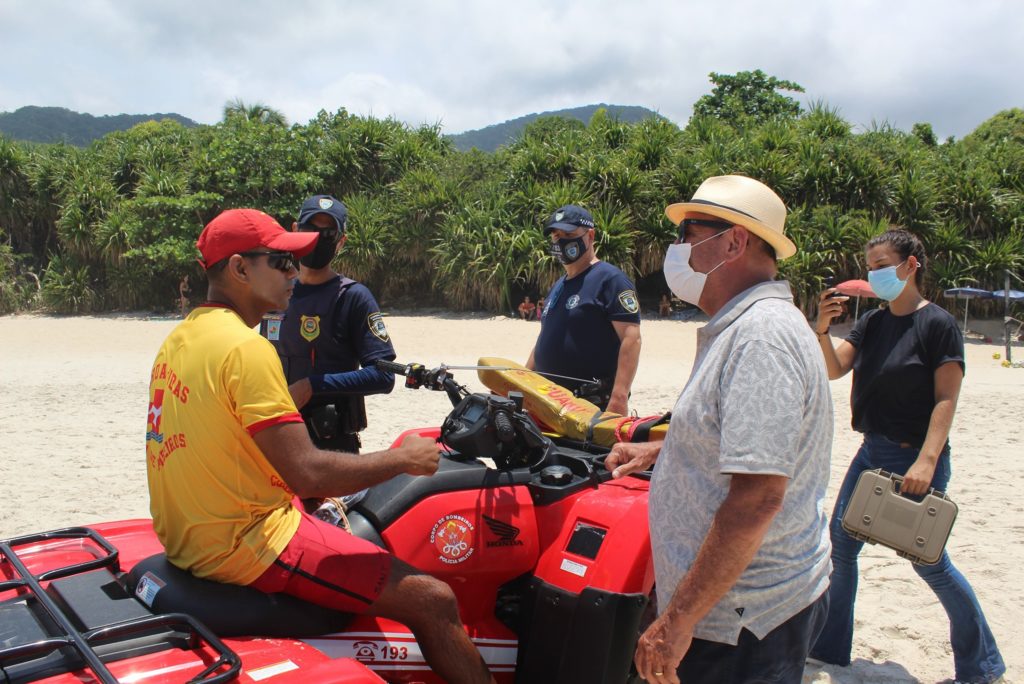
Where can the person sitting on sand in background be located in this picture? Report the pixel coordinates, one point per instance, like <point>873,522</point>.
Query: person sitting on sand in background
<point>908,364</point>
<point>539,311</point>
<point>526,309</point>
<point>664,306</point>
<point>227,453</point>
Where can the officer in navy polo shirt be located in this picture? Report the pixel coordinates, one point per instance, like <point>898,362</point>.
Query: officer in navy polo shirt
<point>590,324</point>
<point>330,336</point>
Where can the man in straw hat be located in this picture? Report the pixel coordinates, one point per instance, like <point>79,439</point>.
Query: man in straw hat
<point>227,453</point>
<point>738,531</point>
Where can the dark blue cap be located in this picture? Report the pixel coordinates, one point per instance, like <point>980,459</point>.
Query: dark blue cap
<point>324,204</point>
<point>569,218</point>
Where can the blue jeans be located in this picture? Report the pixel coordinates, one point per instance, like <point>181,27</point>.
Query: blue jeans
<point>975,655</point>
<point>779,658</point>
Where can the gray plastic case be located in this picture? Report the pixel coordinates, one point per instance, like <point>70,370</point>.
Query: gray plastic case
<point>879,514</point>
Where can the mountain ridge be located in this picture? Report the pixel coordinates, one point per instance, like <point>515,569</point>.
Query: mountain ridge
<point>489,138</point>
<point>58,124</point>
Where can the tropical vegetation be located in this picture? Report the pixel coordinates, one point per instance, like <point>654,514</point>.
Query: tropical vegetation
<point>112,226</point>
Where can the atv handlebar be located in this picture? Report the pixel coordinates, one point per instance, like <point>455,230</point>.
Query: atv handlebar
<point>392,367</point>
<point>416,375</point>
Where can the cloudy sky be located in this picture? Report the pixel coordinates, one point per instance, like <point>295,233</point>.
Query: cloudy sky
<point>467,64</point>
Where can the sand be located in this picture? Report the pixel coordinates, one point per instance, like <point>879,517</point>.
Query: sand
<point>73,399</point>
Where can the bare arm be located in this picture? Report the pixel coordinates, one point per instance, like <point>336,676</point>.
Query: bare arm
<point>311,472</point>
<point>838,360</point>
<point>948,379</point>
<point>735,536</point>
<point>530,362</point>
<point>625,371</point>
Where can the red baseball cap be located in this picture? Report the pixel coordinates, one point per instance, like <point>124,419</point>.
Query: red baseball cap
<point>240,230</point>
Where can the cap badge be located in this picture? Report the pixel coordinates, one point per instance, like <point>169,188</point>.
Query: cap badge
<point>559,215</point>
<point>326,203</point>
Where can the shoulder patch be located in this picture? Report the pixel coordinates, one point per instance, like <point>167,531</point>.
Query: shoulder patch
<point>629,301</point>
<point>376,324</point>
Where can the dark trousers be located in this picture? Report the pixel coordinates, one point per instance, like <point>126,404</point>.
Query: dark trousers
<point>777,659</point>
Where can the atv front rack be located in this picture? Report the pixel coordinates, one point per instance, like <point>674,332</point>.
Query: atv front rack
<point>64,640</point>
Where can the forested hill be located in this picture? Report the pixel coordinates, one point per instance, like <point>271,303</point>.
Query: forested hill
<point>490,138</point>
<point>56,124</point>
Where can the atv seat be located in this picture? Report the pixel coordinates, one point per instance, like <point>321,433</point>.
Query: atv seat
<point>228,609</point>
<point>386,502</point>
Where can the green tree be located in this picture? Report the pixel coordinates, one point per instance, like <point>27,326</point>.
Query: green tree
<point>748,98</point>
<point>924,133</point>
<point>113,225</point>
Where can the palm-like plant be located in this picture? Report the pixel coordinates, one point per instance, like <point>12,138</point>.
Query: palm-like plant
<point>371,241</point>
<point>480,255</point>
<point>68,287</point>
<point>652,143</point>
<point>254,111</point>
<point>914,199</point>
<point>992,257</point>
<point>614,236</point>
<point>823,122</point>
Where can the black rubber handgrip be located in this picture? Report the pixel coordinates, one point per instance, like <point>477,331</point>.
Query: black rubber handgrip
<point>392,367</point>
<point>503,426</point>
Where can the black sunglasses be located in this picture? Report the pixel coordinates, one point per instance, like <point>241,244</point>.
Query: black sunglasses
<point>282,261</point>
<point>329,233</point>
<point>706,223</point>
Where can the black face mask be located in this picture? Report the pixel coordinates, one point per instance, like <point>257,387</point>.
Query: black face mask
<point>568,250</point>
<point>322,254</point>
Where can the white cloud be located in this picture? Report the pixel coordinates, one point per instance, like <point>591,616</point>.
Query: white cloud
<point>471,64</point>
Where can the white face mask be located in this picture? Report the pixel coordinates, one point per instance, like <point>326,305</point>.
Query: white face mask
<point>684,282</point>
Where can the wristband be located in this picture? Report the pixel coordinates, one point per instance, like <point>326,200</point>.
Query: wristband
<point>821,334</point>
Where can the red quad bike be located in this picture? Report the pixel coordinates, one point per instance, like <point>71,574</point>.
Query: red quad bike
<point>549,558</point>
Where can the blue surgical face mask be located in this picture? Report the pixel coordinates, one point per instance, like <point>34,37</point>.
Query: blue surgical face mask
<point>885,283</point>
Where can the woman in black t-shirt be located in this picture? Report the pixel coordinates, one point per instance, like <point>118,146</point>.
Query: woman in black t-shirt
<point>908,365</point>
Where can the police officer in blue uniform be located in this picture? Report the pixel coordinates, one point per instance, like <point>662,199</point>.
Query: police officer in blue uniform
<point>330,336</point>
<point>590,324</point>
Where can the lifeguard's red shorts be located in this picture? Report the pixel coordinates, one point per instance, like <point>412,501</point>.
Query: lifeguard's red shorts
<point>326,565</point>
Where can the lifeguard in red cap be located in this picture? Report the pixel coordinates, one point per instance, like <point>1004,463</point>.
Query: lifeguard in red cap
<point>227,453</point>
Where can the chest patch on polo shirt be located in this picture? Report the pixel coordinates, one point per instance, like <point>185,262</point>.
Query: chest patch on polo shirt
<point>572,302</point>
<point>309,327</point>
<point>376,324</point>
<point>629,302</point>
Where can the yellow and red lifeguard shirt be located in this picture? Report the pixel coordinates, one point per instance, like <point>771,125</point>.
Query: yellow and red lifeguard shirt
<point>219,507</point>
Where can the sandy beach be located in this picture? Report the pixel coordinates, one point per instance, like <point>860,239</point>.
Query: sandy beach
<point>73,399</point>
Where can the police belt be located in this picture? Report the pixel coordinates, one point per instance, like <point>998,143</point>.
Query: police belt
<point>342,416</point>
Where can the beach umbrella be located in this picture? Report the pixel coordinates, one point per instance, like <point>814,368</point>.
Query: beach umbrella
<point>967,294</point>
<point>856,288</point>
<point>1015,295</point>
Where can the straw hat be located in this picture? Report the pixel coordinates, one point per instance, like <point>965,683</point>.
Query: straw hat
<point>743,201</point>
